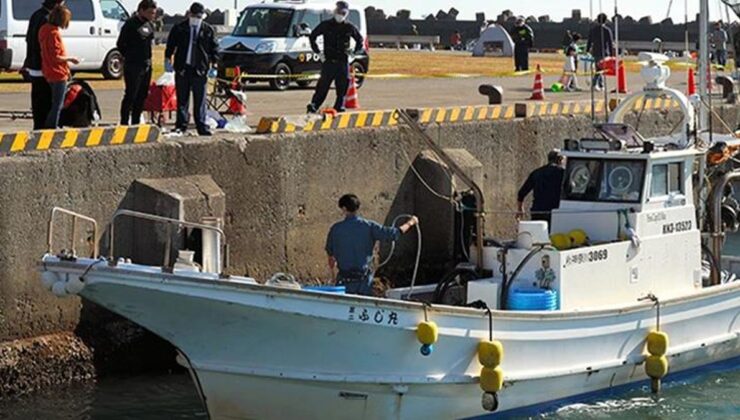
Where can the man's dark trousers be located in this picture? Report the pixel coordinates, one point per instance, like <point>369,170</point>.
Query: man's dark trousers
<point>137,79</point>
<point>40,101</point>
<point>338,72</point>
<point>187,81</point>
<point>521,57</point>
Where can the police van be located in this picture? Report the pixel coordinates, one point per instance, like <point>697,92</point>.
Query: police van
<point>270,43</point>
<point>91,36</point>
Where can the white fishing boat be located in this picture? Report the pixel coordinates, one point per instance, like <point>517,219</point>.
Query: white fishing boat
<point>631,289</point>
<point>628,263</point>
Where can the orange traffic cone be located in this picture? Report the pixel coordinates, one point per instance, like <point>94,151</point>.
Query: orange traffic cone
<point>691,90</point>
<point>538,91</point>
<point>622,79</point>
<point>352,100</point>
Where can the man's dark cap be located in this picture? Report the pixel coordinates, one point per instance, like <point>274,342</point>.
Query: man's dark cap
<point>342,5</point>
<point>197,9</point>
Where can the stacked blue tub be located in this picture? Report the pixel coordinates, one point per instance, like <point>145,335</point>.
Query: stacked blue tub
<point>533,300</point>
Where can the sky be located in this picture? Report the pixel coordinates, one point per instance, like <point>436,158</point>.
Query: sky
<point>557,9</point>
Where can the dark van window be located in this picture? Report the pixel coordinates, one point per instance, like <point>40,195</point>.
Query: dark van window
<point>82,10</point>
<point>23,9</point>
<point>354,17</point>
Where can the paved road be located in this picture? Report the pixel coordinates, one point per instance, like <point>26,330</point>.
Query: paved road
<point>376,94</point>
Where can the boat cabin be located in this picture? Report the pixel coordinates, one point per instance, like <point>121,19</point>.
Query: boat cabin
<point>626,228</point>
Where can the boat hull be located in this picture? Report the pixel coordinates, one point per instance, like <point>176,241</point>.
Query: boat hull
<point>261,352</point>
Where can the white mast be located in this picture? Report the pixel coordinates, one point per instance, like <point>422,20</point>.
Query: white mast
<point>616,37</point>
<point>704,71</point>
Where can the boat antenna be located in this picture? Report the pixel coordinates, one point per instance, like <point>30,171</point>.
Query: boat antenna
<point>704,71</point>
<point>616,45</point>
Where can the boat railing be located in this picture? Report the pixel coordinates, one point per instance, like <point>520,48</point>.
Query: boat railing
<point>223,247</point>
<point>76,218</point>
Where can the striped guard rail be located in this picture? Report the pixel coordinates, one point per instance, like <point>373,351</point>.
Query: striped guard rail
<point>376,119</point>
<point>556,109</point>
<point>26,141</point>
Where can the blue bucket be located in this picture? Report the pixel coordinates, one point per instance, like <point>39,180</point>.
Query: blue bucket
<point>327,289</point>
<point>533,300</point>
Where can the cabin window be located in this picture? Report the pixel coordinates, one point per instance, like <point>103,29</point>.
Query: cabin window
<point>666,180</point>
<point>675,183</point>
<point>604,180</point>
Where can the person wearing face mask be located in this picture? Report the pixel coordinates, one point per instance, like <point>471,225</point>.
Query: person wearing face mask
<point>40,89</point>
<point>193,45</point>
<point>337,33</point>
<point>135,43</point>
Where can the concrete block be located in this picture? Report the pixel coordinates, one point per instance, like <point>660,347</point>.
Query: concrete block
<point>189,198</point>
<point>437,215</point>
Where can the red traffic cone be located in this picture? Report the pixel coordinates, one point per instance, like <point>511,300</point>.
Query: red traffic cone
<point>691,90</point>
<point>352,100</point>
<point>622,79</point>
<point>538,90</point>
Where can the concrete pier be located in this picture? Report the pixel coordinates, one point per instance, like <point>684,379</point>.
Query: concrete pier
<point>280,195</point>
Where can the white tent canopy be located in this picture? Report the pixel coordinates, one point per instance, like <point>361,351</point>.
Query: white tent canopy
<point>495,41</point>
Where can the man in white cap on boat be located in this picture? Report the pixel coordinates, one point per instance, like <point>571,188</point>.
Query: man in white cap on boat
<point>350,245</point>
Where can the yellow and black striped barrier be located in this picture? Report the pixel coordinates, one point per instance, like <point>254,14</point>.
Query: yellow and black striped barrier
<point>558,109</point>
<point>377,119</point>
<point>27,141</point>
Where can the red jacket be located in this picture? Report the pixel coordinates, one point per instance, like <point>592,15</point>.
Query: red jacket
<point>52,47</point>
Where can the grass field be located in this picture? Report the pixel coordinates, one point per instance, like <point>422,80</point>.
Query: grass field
<point>383,62</point>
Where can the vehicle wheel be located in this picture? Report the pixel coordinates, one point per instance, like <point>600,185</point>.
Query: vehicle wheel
<point>113,66</point>
<point>282,81</point>
<point>360,72</point>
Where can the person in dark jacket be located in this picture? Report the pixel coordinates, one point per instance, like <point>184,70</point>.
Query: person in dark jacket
<point>40,89</point>
<point>523,37</point>
<point>337,33</point>
<point>350,245</point>
<point>546,182</point>
<point>600,45</point>
<point>195,50</point>
<point>135,44</point>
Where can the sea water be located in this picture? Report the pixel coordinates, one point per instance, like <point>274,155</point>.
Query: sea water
<point>707,395</point>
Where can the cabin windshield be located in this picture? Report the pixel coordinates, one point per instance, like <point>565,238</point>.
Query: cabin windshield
<point>604,180</point>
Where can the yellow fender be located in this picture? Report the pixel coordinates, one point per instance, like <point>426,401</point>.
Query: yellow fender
<point>656,367</point>
<point>427,333</point>
<point>578,237</point>
<point>657,343</point>
<point>561,242</point>
<point>490,353</point>
<point>492,379</point>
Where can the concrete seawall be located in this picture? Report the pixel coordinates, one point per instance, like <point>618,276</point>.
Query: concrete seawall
<point>281,196</point>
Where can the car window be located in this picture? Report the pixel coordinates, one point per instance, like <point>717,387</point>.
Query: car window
<point>113,10</point>
<point>23,9</point>
<point>82,10</point>
<point>310,19</point>
<point>354,17</point>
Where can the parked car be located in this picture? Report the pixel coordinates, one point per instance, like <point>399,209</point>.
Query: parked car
<point>270,42</point>
<point>91,35</point>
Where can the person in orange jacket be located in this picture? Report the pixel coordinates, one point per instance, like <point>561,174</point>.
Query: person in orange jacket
<point>55,62</point>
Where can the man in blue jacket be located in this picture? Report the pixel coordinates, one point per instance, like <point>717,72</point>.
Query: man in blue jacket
<point>350,245</point>
<point>194,47</point>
